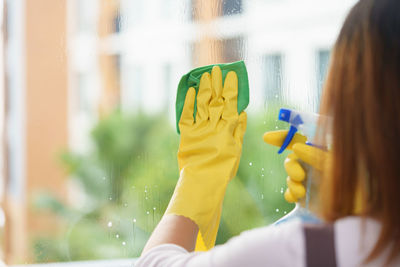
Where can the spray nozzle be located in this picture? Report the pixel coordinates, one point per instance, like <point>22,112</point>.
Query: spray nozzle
<point>306,122</point>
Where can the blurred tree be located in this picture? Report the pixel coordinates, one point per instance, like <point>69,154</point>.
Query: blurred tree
<point>129,176</point>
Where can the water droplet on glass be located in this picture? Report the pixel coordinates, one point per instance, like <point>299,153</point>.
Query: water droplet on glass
<point>146,198</point>
<point>285,212</point>
<point>250,163</point>
<point>147,212</point>
<point>277,210</point>
<point>281,190</point>
<point>123,243</point>
<point>262,169</point>
<point>133,232</point>
<point>262,175</point>
<point>109,224</point>
<point>110,198</point>
<point>117,235</point>
<point>276,127</point>
<point>262,196</point>
<point>145,190</point>
<point>125,204</point>
<point>276,96</point>
<point>154,208</point>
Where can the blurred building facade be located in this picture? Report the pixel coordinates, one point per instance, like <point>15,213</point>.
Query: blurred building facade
<point>70,62</point>
<point>132,53</point>
<point>36,126</point>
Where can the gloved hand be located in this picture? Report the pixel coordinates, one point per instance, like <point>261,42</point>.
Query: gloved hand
<point>209,153</point>
<point>303,153</point>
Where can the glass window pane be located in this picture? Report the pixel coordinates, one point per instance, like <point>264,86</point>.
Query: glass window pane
<point>90,125</point>
<point>231,7</point>
<point>273,76</point>
<point>322,68</point>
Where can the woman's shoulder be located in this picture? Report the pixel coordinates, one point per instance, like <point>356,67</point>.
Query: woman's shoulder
<point>273,245</point>
<point>355,237</point>
<point>293,229</point>
<point>284,244</point>
<point>287,230</point>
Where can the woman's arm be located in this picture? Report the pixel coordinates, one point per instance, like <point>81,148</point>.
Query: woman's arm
<point>281,245</point>
<point>173,229</point>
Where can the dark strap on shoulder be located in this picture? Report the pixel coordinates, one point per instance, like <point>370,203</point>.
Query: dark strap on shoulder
<point>320,245</point>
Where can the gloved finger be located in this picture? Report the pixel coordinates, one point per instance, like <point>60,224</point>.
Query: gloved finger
<point>216,81</point>
<point>188,108</point>
<point>240,128</point>
<point>297,189</point>
<point>203,97</point>
<point>293,168</point>
<point>311,155</point>
<point>289,196</point>
<point>216,103</point>
<point>276,138</point>
<point>230,94</point>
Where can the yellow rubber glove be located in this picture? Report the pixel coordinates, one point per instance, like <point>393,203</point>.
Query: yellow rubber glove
<point>303,153</point>
<point>295,162</point>
<point>209,153</point>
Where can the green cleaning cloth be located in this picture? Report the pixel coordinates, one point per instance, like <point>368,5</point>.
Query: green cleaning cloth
<point>192,79</point>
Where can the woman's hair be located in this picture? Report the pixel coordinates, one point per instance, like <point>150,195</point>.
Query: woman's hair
<point>362,94</point>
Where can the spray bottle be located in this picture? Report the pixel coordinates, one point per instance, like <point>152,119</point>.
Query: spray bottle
<point>306,123</point>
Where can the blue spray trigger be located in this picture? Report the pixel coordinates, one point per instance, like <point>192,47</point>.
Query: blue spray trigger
<point>288,139</point>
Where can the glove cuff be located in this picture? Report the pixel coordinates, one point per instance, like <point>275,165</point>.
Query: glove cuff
<point>201,204</point>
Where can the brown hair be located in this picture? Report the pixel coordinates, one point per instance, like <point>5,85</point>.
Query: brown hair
<point>362,94</point>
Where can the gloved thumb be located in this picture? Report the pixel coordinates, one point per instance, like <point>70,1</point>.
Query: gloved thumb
<point>276,138</point>
<point>240,128</point>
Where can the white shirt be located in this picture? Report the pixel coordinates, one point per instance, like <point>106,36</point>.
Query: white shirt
<point>281,245</point>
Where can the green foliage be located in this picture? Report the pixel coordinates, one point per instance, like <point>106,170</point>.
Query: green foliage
<point>129,176</point>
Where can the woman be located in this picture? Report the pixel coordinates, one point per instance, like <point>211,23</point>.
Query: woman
<point>359,190</point>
